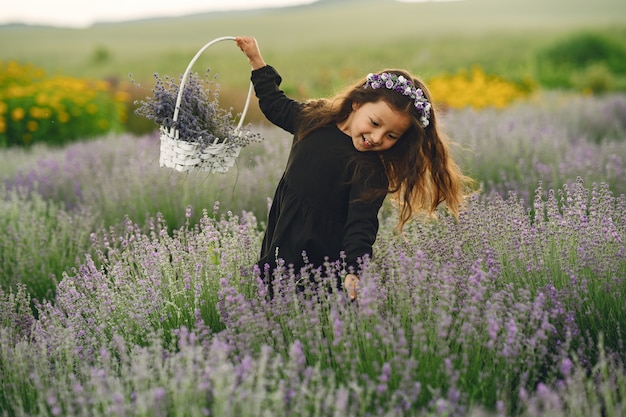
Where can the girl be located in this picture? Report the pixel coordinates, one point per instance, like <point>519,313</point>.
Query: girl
<point>378,137</point>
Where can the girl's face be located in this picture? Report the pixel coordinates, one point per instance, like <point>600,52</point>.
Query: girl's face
<point>375,126</point>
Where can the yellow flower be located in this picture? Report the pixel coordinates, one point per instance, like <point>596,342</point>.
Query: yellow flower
<point>39,113</point>
<point>475,89</point>
<point>18,114</point>
<point>104,124</point>
<point>32,126</point>
<point>42,99</point>
<point>63,117</point>
<point>15,91</point>
<point>92,108</point>
<point>122,96</point>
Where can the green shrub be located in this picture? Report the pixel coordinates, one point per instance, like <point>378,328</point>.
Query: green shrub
<point>584,61</point>
<point>595,78</point>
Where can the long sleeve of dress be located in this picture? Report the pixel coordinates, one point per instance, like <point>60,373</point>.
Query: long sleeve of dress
<point>275,105</point>
<point>361,225</point>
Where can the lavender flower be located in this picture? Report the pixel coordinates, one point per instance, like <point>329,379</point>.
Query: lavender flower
<point>511,309</point>
<point>200,118</point>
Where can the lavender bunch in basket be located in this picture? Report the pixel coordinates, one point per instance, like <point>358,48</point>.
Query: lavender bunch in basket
<point>200,118</point>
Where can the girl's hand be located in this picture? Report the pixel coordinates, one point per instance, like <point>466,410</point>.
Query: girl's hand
<point>351,284</point>
<point>250,48</point>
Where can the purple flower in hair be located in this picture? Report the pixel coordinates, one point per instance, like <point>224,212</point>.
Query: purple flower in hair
<point>405,87</point>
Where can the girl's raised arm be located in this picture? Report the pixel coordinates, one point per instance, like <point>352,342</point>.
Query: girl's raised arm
<point>250,48</point>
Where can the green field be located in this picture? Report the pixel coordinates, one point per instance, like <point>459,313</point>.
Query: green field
<point>318,46</point>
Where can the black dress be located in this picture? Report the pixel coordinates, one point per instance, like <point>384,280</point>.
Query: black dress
<point>316,208</point>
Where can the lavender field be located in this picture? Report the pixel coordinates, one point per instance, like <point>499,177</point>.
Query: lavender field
<point>128,290</point>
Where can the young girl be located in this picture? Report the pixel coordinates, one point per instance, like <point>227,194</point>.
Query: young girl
<point>378,137</point>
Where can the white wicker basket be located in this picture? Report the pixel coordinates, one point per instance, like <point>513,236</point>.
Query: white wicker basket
<point>191,156</point>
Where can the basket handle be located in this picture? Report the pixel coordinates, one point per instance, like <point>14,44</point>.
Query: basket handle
<point>188,71</point>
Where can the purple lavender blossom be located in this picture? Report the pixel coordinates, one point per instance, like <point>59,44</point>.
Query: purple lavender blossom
<point>200,118</point>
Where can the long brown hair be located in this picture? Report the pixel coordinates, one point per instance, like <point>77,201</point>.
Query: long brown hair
<point>420,170</point>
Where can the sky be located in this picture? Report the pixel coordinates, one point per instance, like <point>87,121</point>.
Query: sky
<point>83,13</point>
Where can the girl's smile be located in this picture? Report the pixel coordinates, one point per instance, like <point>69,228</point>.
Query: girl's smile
<point>375,126</point>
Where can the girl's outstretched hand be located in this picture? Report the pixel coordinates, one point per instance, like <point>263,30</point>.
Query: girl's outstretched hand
<point>250,48</point>
<point>351,284</point>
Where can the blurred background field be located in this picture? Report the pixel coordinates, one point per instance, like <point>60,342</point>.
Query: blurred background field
<point>318,48</point>
<point>325,37</point>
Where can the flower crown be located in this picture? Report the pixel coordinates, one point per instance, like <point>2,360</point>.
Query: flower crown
<point>405,87</point>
